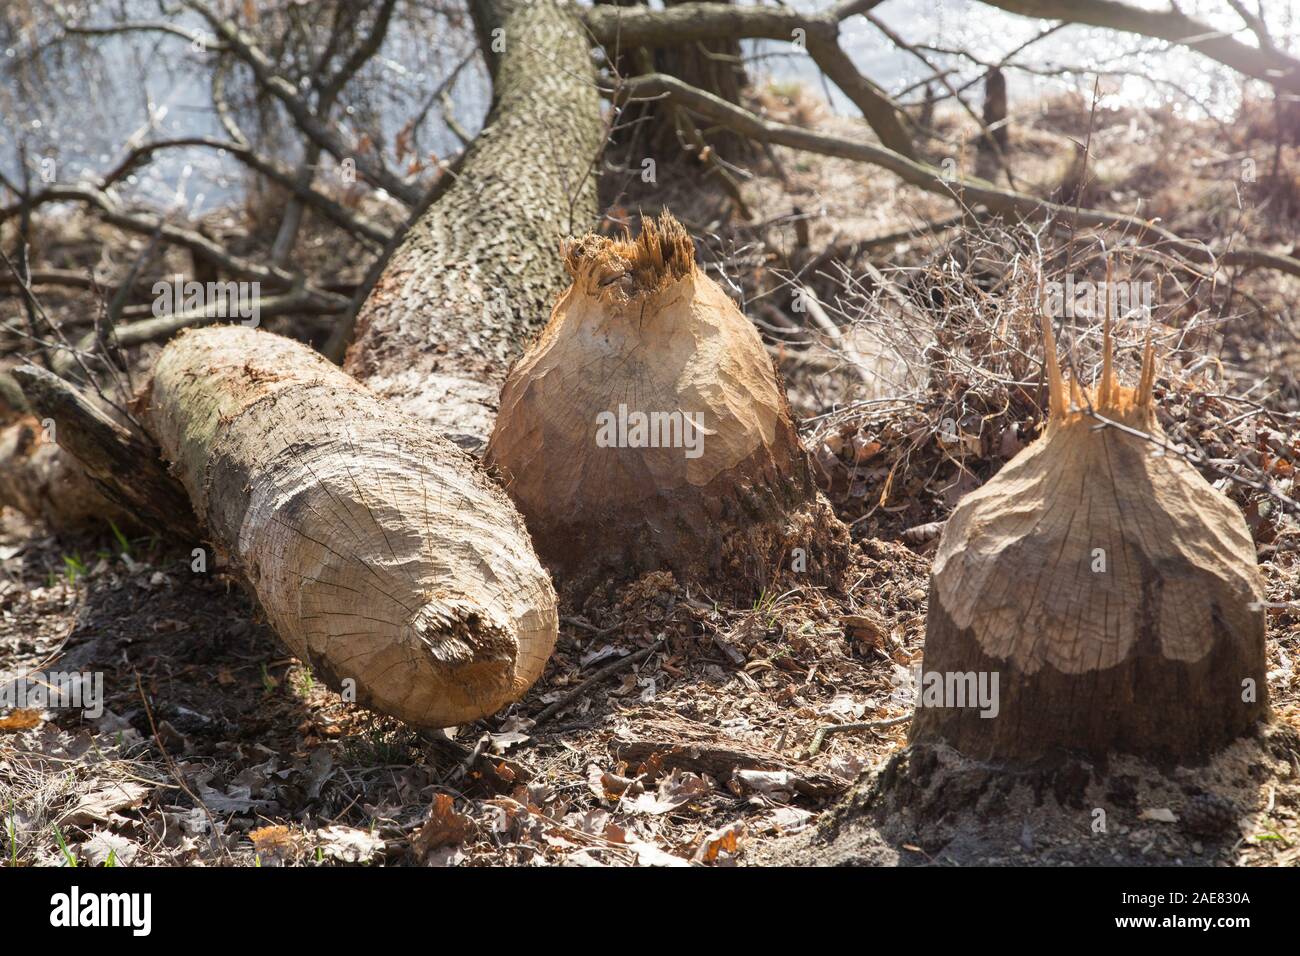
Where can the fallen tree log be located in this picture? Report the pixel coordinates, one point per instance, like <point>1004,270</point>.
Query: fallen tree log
<point>36,479</point>
<point>384,557</point>
<point>475,277</point>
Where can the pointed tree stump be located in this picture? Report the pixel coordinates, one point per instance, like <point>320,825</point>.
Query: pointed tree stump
<point>647,428</point>
<point>1110,589</point>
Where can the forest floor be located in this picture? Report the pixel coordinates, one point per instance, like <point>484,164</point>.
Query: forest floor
<point>216,748</point>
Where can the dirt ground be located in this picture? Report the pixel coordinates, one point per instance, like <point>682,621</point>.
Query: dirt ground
<point>215,748</point>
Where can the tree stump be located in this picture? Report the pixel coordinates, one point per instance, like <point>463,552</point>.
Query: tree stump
<point>1109,589</point>
<point>647,428</point>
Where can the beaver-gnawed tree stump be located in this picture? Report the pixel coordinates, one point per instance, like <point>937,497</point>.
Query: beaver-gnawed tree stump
<point>1112,591</point>
<point>647,429</point>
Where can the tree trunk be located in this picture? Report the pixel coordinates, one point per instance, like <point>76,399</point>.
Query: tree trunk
<point>714,65</point>
<point>992,147</point>
<point>384,557</point>
<point>476,276</point>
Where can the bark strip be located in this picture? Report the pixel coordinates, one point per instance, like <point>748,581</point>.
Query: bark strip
<point>121,463</point>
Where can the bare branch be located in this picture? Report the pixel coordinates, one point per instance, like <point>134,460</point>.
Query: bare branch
<point>305,118</point>
<point>361,55</point>
<point>966,191</point>
<point>623,27</point>
<point>351,222</point>
<point>300,301</point>
<point>1269,65</point>
<point>148,26</point>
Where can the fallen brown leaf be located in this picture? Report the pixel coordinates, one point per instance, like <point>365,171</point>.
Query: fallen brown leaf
<point>348,844</point>
<point>97,805</point>
<point>720,841</point>
<point>445,827</point>
<point>273,843</point>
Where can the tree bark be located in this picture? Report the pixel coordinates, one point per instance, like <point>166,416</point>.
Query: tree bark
<point>41,482</point>
<point>475,277</point>
<point>382,554</point>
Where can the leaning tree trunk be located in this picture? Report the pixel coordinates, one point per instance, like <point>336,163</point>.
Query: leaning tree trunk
<point>1112,593</point>
<point>475,277</point>
<point>382,554</point>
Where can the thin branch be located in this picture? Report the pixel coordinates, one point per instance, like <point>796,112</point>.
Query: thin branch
<point>242,45</point>
<point>146,26</point>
